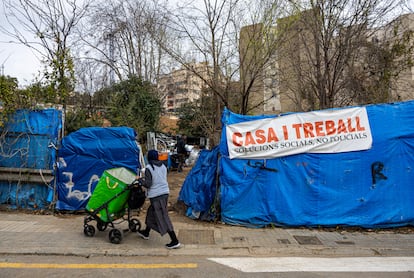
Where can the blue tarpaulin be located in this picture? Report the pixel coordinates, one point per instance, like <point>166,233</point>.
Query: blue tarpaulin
<point>29,141</point>
<point>199,189</point>
<point>31,138</point>
<point>83,157</point>
<point>368,188</point>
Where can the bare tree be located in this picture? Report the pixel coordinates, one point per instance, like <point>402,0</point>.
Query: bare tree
<point>118,37</point>
<point>208,31</point>
<point>384,74</point>
<point>46,26</point>
<point>322,61</point>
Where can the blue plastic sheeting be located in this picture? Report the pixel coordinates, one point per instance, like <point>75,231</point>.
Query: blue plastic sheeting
<point>47,121</point>
<point>85,155</point>
<point>24,196</point>
<point>199,188</point>
<point>30,140</point>
<point>31,137</point>
<point>370,188</point>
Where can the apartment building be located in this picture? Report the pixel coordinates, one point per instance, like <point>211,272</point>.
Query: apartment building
<point>281,85</point>
<point>258,70</point>
<point>183,85</point>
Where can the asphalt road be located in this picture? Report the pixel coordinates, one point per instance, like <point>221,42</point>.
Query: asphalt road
<point>195,266</point>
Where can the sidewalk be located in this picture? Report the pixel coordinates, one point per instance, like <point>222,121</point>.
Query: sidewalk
<point>26,233</point>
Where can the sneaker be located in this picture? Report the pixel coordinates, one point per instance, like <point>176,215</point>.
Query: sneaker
<point>142,234</point>
<point>173,245</point>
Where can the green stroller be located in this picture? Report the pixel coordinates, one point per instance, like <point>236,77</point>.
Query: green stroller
<point>117,193</point>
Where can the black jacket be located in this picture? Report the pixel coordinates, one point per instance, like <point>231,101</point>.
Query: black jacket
<point>181,146</point>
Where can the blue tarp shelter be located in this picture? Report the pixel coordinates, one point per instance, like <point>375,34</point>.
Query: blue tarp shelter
<point>199,188</point>
<point>28,151</point>
<point>367,188</point>
<point>85,154</point>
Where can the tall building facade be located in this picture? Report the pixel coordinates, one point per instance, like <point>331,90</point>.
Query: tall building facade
<point>281,84</point>
<point>258,69</point>
<point>184,85</point>
<point>401,30</point>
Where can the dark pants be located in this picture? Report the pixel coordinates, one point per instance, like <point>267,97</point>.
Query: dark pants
<point>181,160</point>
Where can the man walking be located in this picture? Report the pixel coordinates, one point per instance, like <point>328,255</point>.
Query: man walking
<point>182,152</point>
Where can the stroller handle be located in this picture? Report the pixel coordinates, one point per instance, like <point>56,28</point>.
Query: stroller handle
<point>136,183</point>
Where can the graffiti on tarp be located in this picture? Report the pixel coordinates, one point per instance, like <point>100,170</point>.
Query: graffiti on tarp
<point>77,194</point>
<point>69,184</point>
<point>261,166</point>
<point>376,172</point>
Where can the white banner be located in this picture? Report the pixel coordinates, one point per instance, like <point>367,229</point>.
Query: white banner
<point>329,131</point>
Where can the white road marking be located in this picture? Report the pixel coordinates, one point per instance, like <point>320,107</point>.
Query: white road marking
<point>301,264</point>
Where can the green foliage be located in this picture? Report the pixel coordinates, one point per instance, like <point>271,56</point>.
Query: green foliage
<point>8,95</point>
<point>198,118</point>
<point>8,89</point>
<point>188,122</point>
<point>61,76</point>
<point>36,93</point>
<point>132,103</point>
<point>79,119</point>
<point>384,63</point>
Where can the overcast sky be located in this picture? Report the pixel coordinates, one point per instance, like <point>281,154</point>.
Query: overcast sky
<point>16,60</point>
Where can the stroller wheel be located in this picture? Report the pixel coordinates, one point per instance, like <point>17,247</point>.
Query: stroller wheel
<point>89,230</point>
<point>115,236</point>
<point>134,225</point>
<point>101,226</point>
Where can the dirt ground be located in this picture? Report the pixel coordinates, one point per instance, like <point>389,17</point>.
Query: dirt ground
<point>176,180</point>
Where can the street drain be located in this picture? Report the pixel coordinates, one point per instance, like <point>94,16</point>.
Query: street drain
<point>283,241</point>
<point>196,236</point>
<point>308,240</point>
